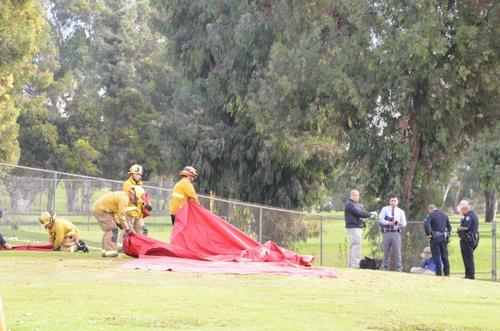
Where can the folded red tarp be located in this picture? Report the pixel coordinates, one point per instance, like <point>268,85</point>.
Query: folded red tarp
<point>201,235</point>
<point>33,247</point>
<point>163,263</point>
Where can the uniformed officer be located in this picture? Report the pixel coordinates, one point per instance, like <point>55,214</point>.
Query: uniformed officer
<point>437,228</point>
<point>468,231</point>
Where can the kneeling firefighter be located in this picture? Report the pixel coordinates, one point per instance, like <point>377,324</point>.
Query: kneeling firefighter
<point>63,235</point>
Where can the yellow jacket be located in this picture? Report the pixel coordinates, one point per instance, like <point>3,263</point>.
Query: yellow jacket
<point>114,203</point>
<point>183,191</point>
<point>130,182</point>
<point>59,230</point>
<point>133,210</point>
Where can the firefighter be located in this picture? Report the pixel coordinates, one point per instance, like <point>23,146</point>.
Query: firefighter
<point>183,191</point>
<point>63,235</point>
<point>111,212</point>
<point>135,179</point>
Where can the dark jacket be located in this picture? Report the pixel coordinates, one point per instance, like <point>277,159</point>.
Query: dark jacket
<point>353,214</point>
<point>437,221</point>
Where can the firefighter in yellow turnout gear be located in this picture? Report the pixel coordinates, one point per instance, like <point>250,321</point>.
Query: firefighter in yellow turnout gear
<point>135,219</point>
<point>183,191</point>
<point>63,235</point>
<point>111,211</point>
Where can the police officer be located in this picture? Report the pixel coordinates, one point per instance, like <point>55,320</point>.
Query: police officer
<point>468,231</point>
<point>437,228</point>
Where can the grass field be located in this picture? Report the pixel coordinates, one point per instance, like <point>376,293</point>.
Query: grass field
<point>57,291</point>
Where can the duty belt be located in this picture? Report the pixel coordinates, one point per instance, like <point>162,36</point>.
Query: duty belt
<point>437,234</point>
<point>385,229</point>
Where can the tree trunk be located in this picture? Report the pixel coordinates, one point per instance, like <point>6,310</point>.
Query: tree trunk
<point>71,195</point>
<point>415,148</point>
<point>86,196</point>
<point>491,204</point>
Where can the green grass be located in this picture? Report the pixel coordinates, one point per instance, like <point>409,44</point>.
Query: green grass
<point>57,291</point>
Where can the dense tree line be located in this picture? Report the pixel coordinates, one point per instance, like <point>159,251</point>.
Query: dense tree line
<point>275,102</point>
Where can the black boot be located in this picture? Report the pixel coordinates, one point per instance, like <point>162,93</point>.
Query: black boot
<point>82,247</point>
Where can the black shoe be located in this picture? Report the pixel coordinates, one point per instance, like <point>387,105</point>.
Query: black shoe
<point>82,247</point>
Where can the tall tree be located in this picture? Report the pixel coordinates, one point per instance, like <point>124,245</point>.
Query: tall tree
<point>222,52</point>
<point>21,27</point>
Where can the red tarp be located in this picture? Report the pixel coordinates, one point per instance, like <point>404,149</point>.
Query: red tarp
<point>201,235</point>
<point>164,263</point>
<point>33,247</point>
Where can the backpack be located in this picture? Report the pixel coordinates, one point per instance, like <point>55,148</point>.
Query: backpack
<point>369,263</point>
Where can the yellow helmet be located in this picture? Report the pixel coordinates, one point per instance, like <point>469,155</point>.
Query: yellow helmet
<point>46,217</point>
<point>135,169</point>
<point>189,171</point>
<point>137,190</point>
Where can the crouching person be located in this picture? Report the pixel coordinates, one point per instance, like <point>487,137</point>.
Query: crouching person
<point>111,210</point>
<point>63,235</point>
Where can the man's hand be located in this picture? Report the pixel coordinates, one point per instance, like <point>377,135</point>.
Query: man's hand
<point>373,215</point>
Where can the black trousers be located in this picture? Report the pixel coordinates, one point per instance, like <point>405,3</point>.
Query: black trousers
<point>439,250</point>
<point>467,249</point>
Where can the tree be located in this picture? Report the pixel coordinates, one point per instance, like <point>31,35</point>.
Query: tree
<point>21,26</point>
<point>486,161</point>
<point>223,51</point>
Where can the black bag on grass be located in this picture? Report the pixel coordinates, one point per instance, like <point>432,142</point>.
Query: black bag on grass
<point>369,263</point>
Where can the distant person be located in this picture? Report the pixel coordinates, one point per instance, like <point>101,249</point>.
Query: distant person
<point>353,214</point>
<point>3,243</point>
<point>437,228</point>
<point>427,266</point>
<point>63,235</point>
<point>111,211</point>
<point>468,231</point>
<point>183,191</point>
<point>392,219</point>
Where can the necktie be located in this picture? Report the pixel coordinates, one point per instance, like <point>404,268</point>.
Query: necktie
<point>392,217</point>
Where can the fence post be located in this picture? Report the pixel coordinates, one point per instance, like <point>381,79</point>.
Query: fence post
<point>321,240</point>
<point>494,248</point>
<point>54,197</point>
<point>260,225</point>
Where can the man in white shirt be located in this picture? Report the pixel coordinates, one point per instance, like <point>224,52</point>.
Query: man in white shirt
<point>392,219</point>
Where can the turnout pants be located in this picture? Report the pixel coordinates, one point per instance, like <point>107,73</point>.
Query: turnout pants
<point>391,242</point>
<point>355,248</point>
<point>108,225</point>
<point>69,243</point>
<point>439,250</point>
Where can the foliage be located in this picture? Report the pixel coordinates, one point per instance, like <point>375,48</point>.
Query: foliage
<point>21,27</point>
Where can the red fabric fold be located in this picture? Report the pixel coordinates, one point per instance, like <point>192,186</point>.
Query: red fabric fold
<point>198,234</point>
<point>33,247</point>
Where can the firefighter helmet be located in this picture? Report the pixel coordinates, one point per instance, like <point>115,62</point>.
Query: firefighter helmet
<point>135,169</point>
<point>189,171</point>
<point>137,190</point>
<point>46,217</point>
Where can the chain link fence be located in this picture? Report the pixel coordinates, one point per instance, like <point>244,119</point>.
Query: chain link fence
<point>26,192</point>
